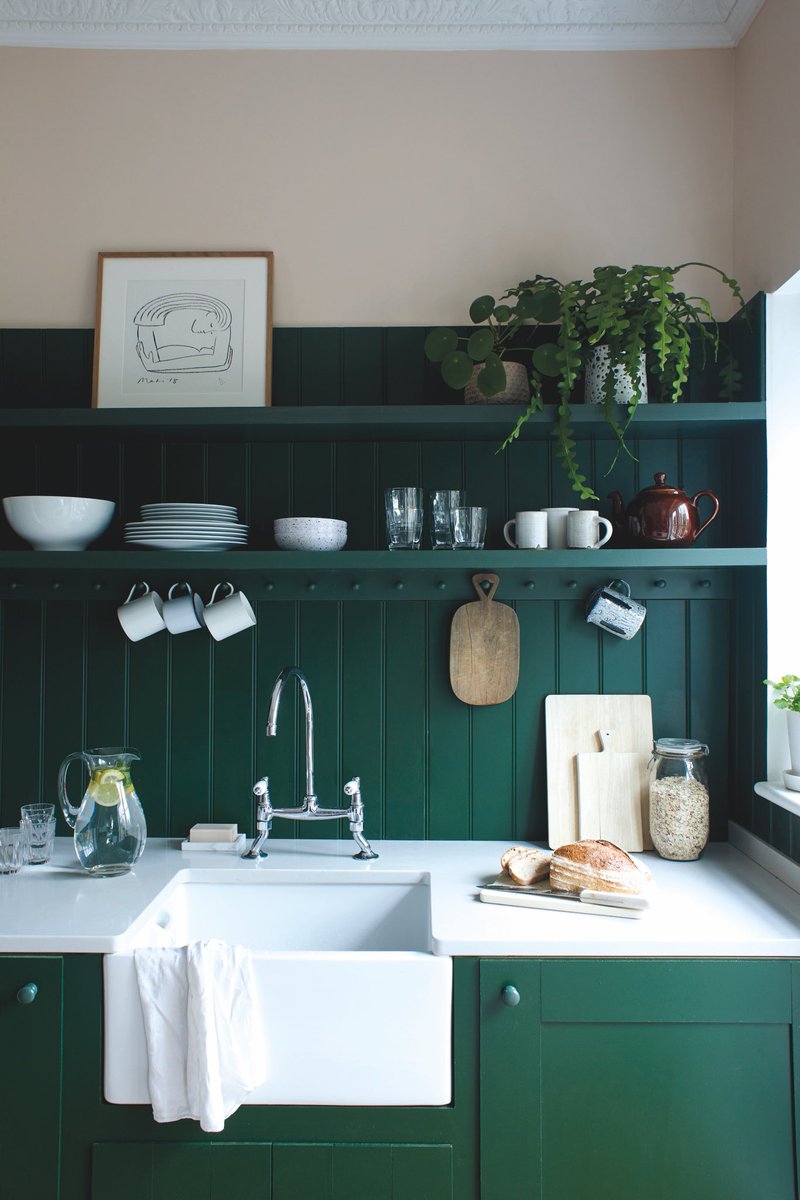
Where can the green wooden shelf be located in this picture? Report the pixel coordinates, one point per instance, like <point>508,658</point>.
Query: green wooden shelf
<point>364,574</point>
<point>441,422</point>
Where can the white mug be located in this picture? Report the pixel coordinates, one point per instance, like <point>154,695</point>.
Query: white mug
<point>183,613</point>
<point>557,527</point>
<point>140,616</point>
<point>583,529</point>
<point>229,615</point>
<point>530,531</point>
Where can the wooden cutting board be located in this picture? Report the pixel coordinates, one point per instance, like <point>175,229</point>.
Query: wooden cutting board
<point>612,794</point>
<point>484,647</point>
<point>571,725</point>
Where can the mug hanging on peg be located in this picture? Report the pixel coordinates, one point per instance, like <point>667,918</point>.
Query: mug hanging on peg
<point>612,608</point>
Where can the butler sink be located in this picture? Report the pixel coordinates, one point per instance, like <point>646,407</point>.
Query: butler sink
<point>357,1010</point>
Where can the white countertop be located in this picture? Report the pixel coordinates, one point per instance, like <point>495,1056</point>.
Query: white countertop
<point>723,905</point>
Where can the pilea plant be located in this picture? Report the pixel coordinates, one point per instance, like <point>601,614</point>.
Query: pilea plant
<point>635,311</point>
<point>787,692</point>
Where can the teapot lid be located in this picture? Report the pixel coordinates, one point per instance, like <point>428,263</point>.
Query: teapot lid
<point>661,485</point>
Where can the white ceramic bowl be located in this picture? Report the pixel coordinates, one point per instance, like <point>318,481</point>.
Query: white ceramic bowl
<point>792,780</point>
<point>309,533</point>
<point>58,522</point>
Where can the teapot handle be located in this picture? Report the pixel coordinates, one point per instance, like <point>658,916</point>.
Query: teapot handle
<point>714,512</point>
<point>69,811</point>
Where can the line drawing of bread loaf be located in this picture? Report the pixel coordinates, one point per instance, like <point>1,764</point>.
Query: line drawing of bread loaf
<point>184,333</point>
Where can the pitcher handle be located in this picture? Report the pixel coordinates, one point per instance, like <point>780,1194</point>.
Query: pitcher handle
<point>714,511</point>
<point>69,810</point>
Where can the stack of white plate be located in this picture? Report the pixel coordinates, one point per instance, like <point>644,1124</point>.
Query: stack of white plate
<point>173,526</point>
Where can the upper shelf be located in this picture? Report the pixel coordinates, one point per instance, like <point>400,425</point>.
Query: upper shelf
<point>438,422</point>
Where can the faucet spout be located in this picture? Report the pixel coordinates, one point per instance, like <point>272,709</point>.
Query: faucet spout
<point>272,722</point>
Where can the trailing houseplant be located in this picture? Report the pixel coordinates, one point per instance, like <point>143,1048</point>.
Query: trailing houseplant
<point>635,311</point>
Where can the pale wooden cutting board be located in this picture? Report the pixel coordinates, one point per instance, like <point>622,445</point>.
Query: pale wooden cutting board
<point>484,648</point>
<point>571,725</point>
<point>612,793</point>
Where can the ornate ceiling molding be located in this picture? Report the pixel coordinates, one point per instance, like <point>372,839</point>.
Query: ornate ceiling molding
<point>378,24</point>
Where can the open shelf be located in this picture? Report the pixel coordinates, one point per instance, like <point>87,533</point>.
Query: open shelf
<point>354,574</point>
<point>440,422</point>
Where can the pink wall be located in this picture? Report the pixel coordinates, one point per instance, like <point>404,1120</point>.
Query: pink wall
<point>767,149</point>
<point>392,187</point>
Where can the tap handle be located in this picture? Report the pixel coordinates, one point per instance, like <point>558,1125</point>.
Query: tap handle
<point>353,788</point>
<point>264,810</point>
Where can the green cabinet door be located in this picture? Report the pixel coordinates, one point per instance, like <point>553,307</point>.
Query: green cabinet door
<point>282,1171</point>
<point>653,1078</point>
<point>30,1029</point>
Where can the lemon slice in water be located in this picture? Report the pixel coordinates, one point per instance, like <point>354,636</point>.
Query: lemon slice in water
<point>105,787</point>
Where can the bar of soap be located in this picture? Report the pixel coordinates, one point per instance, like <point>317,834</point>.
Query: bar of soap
<point>220,832</point>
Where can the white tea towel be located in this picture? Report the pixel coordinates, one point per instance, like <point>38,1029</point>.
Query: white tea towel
<point>205,1039</point>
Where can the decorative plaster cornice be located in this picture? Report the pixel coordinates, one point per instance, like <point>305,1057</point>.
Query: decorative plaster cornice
<point>378,24</point>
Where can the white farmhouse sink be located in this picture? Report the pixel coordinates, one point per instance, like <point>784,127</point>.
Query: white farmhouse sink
<point>357,1008</point>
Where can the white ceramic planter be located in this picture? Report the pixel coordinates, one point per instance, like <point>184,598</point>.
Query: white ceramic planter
<point>596,372</point>
<point>793,729</point>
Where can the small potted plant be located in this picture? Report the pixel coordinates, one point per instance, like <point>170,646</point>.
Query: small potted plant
<point>634,315</point>
<point>787,696</point>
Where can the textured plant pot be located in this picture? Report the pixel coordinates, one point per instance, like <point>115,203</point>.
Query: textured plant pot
<point>597,371</point>
<point>793,729</point>
<point>516,391</point>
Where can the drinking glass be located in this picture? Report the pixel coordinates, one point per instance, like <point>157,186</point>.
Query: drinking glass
<point>441,505</point>
<point>11,851</point>
<point>469,528</point>
<point>403,517</point>
<point>38,825</point>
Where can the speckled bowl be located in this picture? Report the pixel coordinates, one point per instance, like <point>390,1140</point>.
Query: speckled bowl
<point>309,533</point>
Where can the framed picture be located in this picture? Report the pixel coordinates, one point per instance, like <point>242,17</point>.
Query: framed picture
<point>183,330</point>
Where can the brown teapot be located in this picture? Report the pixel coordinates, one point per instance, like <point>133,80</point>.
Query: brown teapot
<point>661,515</point>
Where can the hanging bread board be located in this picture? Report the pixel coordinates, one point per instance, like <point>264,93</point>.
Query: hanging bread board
<point>610,794</point>
<point>484,647</point>
<point>571,725</point>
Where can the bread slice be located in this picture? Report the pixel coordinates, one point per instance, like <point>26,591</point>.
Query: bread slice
<point>525,864</point>
<point>598,866</point>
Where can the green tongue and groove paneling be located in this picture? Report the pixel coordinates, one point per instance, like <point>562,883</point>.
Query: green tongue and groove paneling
<point>373,643</point>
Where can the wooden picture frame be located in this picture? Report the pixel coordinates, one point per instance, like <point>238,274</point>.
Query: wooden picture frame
<point>183,329</point>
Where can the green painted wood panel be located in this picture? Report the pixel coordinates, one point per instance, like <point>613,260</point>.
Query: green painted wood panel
<point>510,1070</point>
<point>378,668</point>
<point>30,1129</point>
<point>171,1171</point>
<point>350,1172</point>
<point>665,1110</point>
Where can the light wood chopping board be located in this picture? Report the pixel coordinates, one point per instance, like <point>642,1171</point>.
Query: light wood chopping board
<point>571,725</point>
<point>484,647</point>
<point>612,793</point>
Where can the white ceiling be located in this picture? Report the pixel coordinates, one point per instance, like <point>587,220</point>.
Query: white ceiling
<point>379,24</point>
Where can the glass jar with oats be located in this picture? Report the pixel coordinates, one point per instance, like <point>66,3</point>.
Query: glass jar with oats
<point>679,798</point>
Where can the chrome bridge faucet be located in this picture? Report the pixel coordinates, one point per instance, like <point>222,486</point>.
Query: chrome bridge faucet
<point>309,810</point>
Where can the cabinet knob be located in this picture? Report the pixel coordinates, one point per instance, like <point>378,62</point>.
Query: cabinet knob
<point>510,996</point>
<point>27,993</point>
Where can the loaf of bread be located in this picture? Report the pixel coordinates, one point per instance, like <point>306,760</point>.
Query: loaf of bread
<point>596,866</point>
<point>525,864</point>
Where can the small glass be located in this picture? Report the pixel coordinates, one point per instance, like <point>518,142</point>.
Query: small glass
<point>403,517</point>
<point>679,815</point>
<point>38,825</point>
<point>12,851</point>
<point>441,505</point>
<point>469,528</point>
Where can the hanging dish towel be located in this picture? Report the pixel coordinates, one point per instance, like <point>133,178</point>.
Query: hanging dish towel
<point>205,1039</point>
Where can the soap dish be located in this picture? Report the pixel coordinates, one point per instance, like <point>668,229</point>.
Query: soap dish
<point>234,847</point>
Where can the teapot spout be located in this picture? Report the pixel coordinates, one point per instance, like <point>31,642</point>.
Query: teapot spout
<point>618,507</point>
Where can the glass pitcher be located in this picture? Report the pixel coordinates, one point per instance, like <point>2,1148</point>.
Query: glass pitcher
<point>110,829</point>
